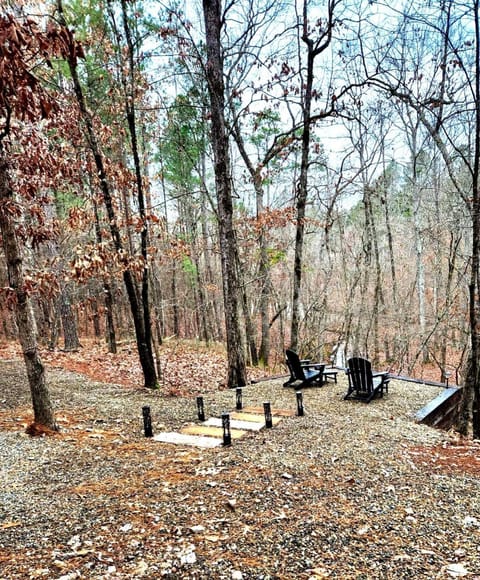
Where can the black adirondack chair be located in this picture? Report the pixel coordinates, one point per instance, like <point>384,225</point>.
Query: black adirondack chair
<point>303,374</point>
<point>363,384</point>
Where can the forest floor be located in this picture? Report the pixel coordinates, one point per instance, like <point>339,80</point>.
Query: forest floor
<point>348,491</point>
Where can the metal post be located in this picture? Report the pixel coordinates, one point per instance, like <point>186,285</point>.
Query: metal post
<point>147,422</point>
<point>227,437</point>
<point>268,415</point>
<point>300,410</point>
<point>200,409</point>
<point>239,404</point>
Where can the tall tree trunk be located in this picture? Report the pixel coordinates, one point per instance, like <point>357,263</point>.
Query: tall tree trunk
<point>43,413</point>
<point>472,383</point>
<point>419,265</point>
<point>265,296</point>
<point>215,326</point>
<point>302,191</point>
<point>142,335</point>
<point>393,273</point>
<point>249,327</point>
<point>314,49</point>
<point>130,110</point>
<point>237,375</point>
<point>263,265</point>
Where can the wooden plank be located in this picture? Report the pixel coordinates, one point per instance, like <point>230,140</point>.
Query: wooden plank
<point>253,418</point>
<point>275,412</point>
<point>242,425</point>
<point>211,431</point>
<point>441,411</point>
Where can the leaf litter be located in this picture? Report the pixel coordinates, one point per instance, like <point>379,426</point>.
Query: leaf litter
<point>348,491</point>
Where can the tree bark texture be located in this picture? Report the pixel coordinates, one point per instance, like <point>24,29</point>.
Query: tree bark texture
<point>43,412</point>
<point>107,294</point>
<point>472,381</point>
<point>69,323</point>
<point>237,375</point>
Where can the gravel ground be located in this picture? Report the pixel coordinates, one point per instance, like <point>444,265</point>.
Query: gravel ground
<point>349,491</point>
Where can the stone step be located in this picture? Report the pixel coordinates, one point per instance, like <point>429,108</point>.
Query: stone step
<point>184,439</point>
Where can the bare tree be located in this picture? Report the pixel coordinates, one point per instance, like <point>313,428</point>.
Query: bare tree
<point>448,100</point>
<point>317,39</point>
<point>214,20</point>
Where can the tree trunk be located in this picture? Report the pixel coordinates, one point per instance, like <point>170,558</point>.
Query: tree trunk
<point>301,193</point>
<point>43,413</point>
<point>265,294</point>
<point>55,326</point>
<point>393,273</point>
<point>314,49</point>
<point>249,327</point>
<point>107,293</point>
<point>130,86</point>
<point>471,405</point>
<point>203,329</point>
<point>142,335</point>
<point>95,317</point>
<point>175,309</point>
<point>71,343</point>
<point>237,375</point>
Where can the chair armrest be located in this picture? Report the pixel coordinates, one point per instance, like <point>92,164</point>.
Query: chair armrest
<point>310,365</point>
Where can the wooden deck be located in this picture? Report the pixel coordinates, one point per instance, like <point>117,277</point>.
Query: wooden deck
<point>442,411</point>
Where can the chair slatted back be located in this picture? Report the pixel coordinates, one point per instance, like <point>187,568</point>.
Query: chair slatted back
<point>294,365</point>
<point>360,373</point>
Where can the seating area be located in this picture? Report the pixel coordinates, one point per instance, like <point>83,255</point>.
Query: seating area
<point>363,383</point>
<point>304,373</point>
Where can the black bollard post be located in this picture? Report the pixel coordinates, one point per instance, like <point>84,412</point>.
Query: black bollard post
<point>227,437</point>
<point>147,422</point>
<point>268,415</point>
<point>239,404</point>
<point>300,410</point>
<point>200,409</point>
